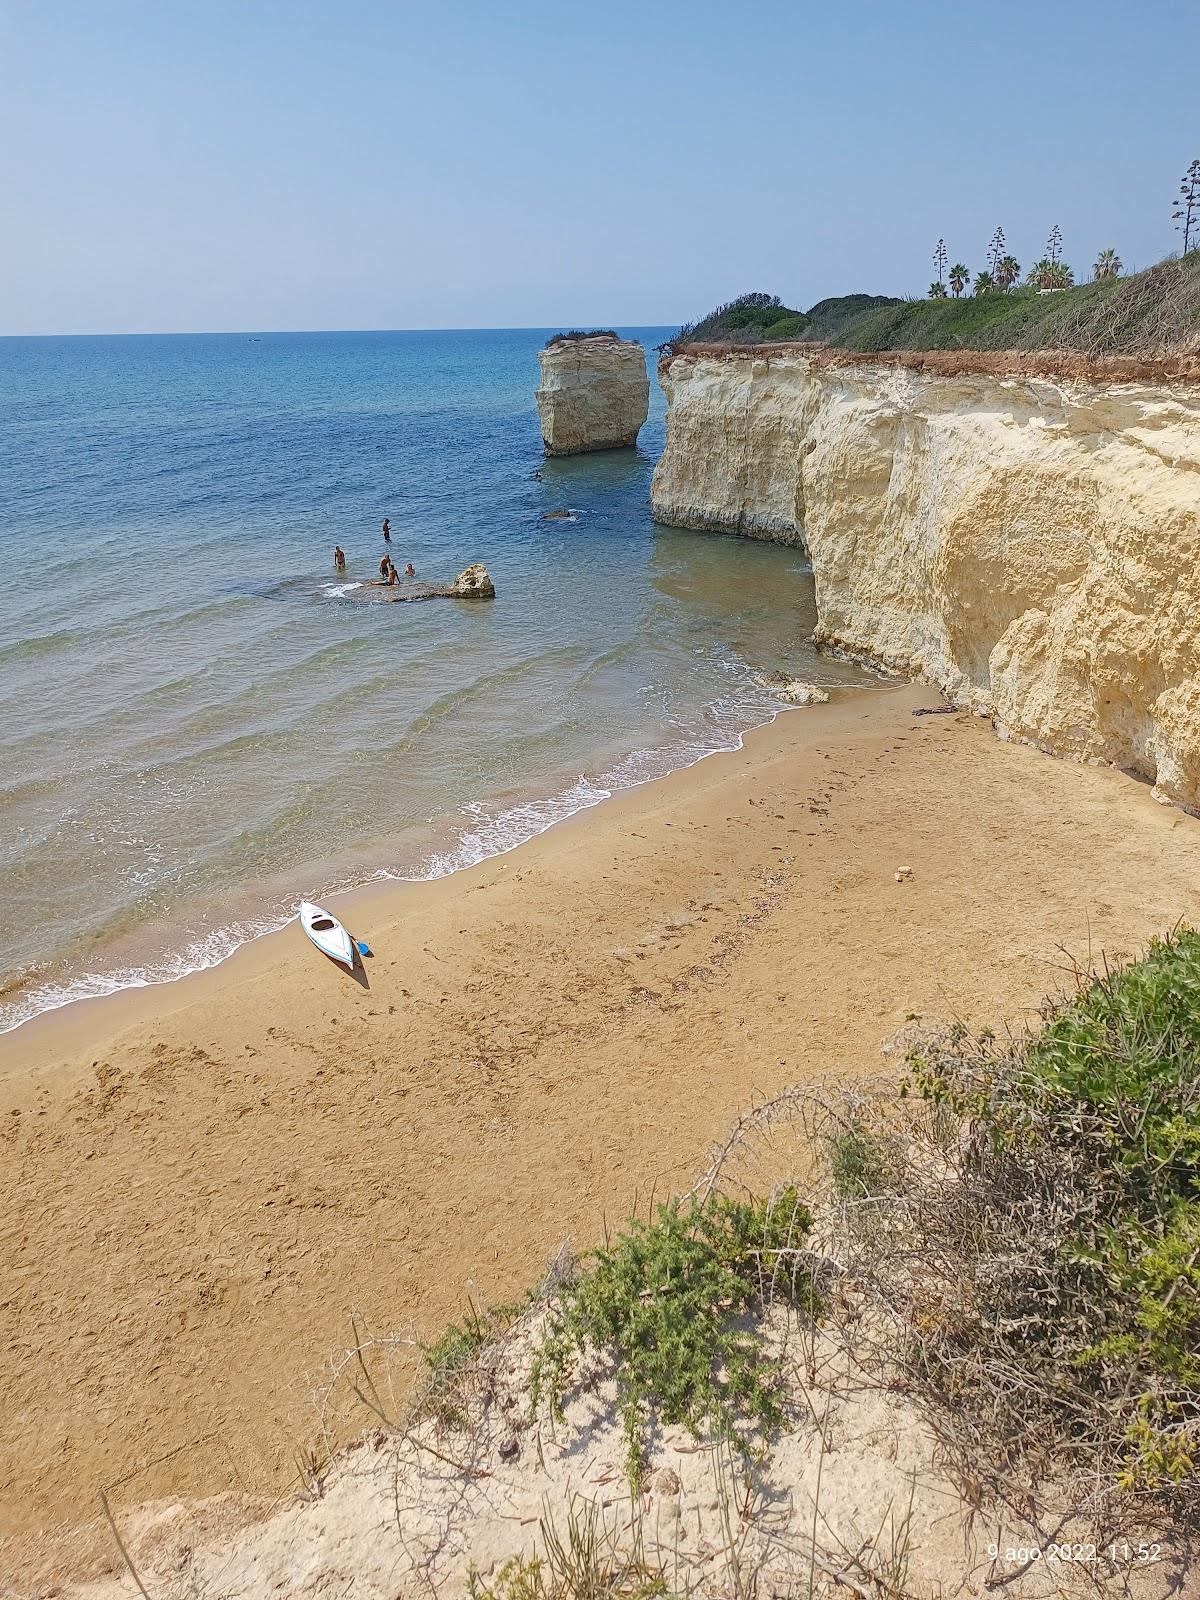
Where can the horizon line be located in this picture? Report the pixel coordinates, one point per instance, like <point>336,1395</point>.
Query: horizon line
<point>258,333</point>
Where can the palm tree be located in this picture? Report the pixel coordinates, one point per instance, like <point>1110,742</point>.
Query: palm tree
<point>1047,274</point>
<point>984,283</point>
<point>1108,265</point>
<point>960,276</point>
<point>1008,270</point>
<point>937,291</point>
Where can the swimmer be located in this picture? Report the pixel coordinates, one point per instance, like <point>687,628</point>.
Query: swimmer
<point>387,530</point>
<point>339,558</point>
<point>409,571</point>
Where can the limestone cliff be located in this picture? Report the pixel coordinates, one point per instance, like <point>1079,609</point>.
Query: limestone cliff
<point>594,394</point>
<point>1029,543</point>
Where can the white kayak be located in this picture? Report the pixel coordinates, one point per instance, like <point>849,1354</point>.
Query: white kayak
<point>327,933</point>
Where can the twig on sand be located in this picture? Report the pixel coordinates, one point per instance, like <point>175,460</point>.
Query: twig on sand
<point>125,1556</point>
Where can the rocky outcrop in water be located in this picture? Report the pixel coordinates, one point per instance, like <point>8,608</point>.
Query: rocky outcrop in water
<point>594,393</point>
<point>473,583</point>
<point>1029,543</point>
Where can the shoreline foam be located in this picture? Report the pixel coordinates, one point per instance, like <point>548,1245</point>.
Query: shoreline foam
<point>483,830</point>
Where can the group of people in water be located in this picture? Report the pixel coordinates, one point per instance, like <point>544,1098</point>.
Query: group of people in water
<point>387,569</point>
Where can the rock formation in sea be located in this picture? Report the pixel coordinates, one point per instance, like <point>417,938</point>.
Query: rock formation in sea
<point>473,583</point>
<point>594,393</point>
<point>1030,542</point>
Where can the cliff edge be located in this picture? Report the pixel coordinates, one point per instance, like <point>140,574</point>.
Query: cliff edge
<point>594,393</point>
<point>1029,543</point>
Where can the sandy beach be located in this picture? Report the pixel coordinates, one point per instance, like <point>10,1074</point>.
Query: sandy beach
<point>204,1181</point>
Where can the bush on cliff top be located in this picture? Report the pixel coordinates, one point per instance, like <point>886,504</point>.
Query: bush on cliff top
<point>828,318</point>
<point>754,318</point>
<point>575,334</point>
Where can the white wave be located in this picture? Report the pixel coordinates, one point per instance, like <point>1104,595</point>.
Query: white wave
<point>496,833</point>
<point>198,954</point>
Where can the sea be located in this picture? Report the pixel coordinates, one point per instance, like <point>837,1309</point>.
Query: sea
<point>202,720</point>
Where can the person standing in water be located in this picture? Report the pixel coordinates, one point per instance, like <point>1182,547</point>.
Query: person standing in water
<point>384,565</point>
<point>339,558</point>
<point>409,571</point>
<point>387,531</point>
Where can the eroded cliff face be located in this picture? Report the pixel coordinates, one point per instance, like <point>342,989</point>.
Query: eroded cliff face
<point>1029,544</point>
<point>594,394</point>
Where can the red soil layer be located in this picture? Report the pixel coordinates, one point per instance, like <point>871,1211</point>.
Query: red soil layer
<point>957,363</point>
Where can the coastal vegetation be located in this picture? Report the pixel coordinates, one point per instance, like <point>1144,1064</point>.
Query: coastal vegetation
<point>1150,313</point>
<point>667,1301</point>
<point>753,318</point>
<point>1057,1301</point>
<point>574,335</point>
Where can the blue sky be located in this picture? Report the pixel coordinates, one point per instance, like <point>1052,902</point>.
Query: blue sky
<point>178,165</point>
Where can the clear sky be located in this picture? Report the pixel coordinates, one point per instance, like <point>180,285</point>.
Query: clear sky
<point>174,165</point>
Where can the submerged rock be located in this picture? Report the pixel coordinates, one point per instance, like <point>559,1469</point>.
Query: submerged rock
<point>594,393</point>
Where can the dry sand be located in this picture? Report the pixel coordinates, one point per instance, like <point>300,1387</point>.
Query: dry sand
<point>203,1181</point>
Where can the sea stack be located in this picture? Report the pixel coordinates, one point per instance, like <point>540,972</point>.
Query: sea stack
<point>594,393</point>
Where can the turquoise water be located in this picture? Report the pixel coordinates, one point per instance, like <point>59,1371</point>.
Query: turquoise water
<point>199,719</point>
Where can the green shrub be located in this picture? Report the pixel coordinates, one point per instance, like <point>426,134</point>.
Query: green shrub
<point>829,316</point>
<point>789,327</point>
<point>1082,1179</point>
<point>859,1161</point>
<point>752,318</point>
<point>666,1303</point>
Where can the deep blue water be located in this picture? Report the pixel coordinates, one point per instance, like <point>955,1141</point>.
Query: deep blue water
<point>198,719</point>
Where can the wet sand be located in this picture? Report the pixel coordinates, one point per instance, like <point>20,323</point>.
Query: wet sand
<point>204,1181</point>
